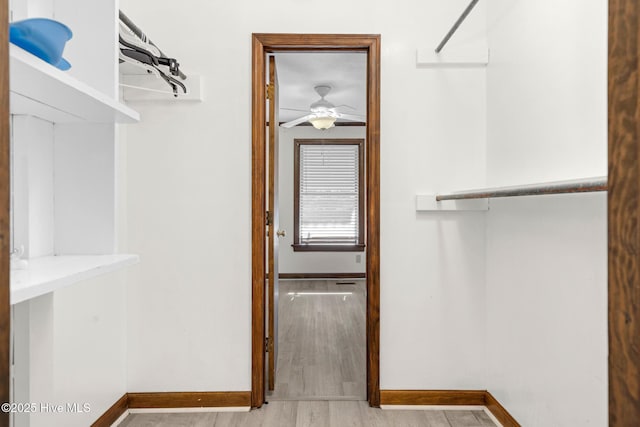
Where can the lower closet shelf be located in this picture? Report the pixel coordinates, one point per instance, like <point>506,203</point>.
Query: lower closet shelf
<point>46,274</point>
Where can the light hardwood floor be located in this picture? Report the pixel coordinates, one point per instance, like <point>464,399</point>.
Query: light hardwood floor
<point>314,414</point>
<point>321,374</point>
<point>322,341</point>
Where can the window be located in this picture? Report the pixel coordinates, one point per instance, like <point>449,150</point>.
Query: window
<point>328,195</point>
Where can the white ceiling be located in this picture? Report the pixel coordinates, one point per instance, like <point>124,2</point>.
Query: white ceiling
<point>300,72</point>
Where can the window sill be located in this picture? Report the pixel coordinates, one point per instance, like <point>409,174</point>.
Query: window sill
<point>327,248</point>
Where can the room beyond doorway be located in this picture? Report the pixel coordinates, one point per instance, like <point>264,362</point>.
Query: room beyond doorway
<point>322,344</point>
<point>269,43</point>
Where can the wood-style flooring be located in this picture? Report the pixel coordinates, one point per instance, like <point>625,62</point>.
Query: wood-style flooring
<point>321,341</point>
<point>320,380</point>
<point>314,414</point>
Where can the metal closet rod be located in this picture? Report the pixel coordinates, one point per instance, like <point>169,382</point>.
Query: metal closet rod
<point>456,25</point>
<point>557,187</point>
<point>138,32</point>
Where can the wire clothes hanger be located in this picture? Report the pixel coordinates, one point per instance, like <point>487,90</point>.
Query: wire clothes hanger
<point>147,63</point>
<point>136,49</point>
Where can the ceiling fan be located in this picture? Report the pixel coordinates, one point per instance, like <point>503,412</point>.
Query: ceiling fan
<point>322,113</point>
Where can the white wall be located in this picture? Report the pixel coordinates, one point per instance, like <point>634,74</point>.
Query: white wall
<point>309,262</point>
<point>32,182</point>
<point>70,348</point>
<point>546,256</point>
<point>189,197</point>
<point>89,347</point>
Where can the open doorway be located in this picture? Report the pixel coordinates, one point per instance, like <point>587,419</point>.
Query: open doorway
<point>264,44</point>
<point>320,352</point>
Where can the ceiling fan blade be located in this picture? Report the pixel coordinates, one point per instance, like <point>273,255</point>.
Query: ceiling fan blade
<point>297,121</point>
<point>345,106</point>
<point>295,109</point>
<point>351,117</point>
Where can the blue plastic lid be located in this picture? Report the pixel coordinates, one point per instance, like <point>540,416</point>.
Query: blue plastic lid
<point>45,38</point>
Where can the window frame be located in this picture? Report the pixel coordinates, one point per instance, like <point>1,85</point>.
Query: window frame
<point>297,246</point>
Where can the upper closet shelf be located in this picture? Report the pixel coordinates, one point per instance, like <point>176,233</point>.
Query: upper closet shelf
<point>39,89</point>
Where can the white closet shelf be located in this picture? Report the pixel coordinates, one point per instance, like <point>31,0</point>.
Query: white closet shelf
<point>40,89</point>
<point>46,274</point>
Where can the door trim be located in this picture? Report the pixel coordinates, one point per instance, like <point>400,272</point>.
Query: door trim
<point>5,319</point>
<point>273,207</point>
<point>623,212</point>
<point>267,43</point>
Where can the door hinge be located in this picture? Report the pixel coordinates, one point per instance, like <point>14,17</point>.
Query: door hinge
<point>270,89</point>
<point>266,343</point>
<point>269,218</point>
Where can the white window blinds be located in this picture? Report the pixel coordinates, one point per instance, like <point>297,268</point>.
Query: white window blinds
<point>329,194</point>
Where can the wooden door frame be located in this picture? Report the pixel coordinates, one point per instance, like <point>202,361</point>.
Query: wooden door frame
<point>5,179</point>
<point>267,43</point>
<point>273,286</point>
<point>624,212</point>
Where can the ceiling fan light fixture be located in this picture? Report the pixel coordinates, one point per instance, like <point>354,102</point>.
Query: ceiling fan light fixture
<point>322,123</point>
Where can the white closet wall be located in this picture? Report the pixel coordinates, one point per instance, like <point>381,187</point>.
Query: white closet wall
<point>189,198</point>
<point>546,255</point>
<point>33,201</point>
<point>526,319</point>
